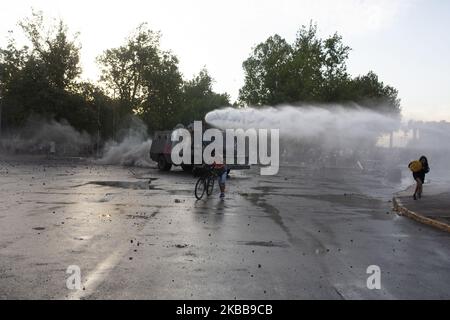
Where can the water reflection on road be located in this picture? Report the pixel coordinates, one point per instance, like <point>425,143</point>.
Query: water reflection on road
<point>305,233</point>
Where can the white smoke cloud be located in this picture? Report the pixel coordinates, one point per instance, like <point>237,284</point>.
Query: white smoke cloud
<point>39,134</point>
<point>132,149</point>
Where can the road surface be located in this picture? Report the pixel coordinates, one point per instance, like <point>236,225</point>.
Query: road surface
<point>434,205</point>
<point>136,233</point>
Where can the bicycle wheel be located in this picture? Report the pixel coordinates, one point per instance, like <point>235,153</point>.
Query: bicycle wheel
<point>200,188</point>
<point>210,186</point>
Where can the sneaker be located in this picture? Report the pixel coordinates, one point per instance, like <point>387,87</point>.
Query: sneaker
<point>222,195</point>
<point>414,197</point>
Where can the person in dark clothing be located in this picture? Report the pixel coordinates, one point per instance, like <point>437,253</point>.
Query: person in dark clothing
<point>419,176</point>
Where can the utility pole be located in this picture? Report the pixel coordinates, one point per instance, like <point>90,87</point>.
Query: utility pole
<point>391,140</point>
<point>114,116</point>
<point>98,130</point>
<point>1,107</point>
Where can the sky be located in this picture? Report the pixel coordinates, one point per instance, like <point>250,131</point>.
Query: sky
<point>406,42</point>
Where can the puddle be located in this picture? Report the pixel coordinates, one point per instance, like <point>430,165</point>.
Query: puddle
<point>134,185</point>
<point>138,216</point>
<point>264,244</point>
<point>345,199</point>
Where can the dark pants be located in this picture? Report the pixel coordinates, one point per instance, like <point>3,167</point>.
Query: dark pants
<point>420,176</point>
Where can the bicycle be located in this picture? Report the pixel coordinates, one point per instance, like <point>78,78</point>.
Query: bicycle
<point>205,183</point>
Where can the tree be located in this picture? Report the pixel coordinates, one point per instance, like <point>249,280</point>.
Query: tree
<point>42,79</point>
<point>307,67</point>
<point>59,55</point>
<point>369,91</point>
<point>311,70</point>
<point>199,98</point>
<point>145,78</point>
<point>334,69</point>
<point>101,109</point>
<point>266,73</point>
<point>123,68</point>
<point>149,84</point>
<point>162,102</point>
<point>12,61</point>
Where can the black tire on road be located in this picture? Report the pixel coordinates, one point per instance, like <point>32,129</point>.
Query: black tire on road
<point>200,188</point>
<point>163,165</point>
<point>210,186</point>
<point>186,167</point>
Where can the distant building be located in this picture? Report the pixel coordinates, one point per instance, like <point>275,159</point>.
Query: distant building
<point>429,135</point>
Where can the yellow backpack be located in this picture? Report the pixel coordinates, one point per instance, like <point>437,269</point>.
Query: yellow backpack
<point>415,166</point>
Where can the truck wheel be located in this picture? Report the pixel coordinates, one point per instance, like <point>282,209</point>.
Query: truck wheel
<point>163,165</point>
<point>186,167</point>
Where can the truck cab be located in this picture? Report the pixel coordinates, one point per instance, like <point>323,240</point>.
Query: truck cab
<point>161,150</point>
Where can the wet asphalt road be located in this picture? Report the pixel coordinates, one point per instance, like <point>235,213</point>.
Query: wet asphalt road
<point>303,234</point>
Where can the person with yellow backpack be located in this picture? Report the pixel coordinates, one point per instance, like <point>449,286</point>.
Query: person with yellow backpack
<point>419,168</point>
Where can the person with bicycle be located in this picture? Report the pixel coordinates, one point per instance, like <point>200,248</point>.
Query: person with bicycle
<point>216,170</point>
<point>221,170</point>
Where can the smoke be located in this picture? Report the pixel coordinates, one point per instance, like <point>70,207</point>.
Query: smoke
<point>431,139</point>
<point>40,136</point>
<point>132,151</point>
<point>132,147</point>
<point>331,127</point>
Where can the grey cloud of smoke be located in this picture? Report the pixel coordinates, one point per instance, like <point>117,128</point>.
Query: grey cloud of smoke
<point>38,133</point>
<point>131,151</point>
<point>132,147</point>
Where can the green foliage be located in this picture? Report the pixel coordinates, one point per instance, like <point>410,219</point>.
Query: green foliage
<point>149,84</point>
<point>139,78</point>
<point>42,78</point>
<point>59,56</point>
<point>123,69</point>
<point>311,70</point>
<point>199,98</point>
<point>162,105</point>
<point>267,73</point>
<point>369,91</point>
<point>100,108</point>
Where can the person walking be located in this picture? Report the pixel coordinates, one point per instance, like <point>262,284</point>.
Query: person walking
<point>419,169</point>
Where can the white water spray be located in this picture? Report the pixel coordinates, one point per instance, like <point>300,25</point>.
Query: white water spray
<point>330,126</point>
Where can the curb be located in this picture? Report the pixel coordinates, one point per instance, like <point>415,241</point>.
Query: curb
<point>403,211</point>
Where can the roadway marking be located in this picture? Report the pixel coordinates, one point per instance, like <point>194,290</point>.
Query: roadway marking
<point>97,276</point>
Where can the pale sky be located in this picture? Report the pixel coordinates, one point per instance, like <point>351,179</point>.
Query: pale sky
<point>407,43</point>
